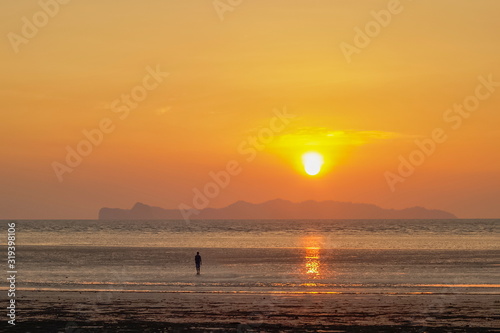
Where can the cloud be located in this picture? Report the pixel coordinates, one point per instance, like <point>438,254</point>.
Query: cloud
<point>322,136</point>
<point>164,110</point>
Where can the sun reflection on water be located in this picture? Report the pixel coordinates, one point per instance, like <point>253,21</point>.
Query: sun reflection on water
<point>312,247</point>
<point>312,262</point>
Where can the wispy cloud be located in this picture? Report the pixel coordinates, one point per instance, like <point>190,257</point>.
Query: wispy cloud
<point>322,136</point>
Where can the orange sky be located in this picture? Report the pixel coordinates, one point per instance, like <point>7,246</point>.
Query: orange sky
<point>225,78</point>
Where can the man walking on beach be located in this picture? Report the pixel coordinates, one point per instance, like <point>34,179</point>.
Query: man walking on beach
<point>197,261</point>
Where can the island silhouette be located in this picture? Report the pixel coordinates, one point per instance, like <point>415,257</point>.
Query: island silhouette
<point>277,209</point>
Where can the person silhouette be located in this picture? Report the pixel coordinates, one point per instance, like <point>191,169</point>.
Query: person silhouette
<point>197,261</point>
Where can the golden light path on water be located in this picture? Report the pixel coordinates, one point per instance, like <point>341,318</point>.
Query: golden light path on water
<point>312,262</point>
<point>313,269</point>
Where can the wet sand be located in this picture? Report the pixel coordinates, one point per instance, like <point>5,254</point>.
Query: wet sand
<point>119,311</point>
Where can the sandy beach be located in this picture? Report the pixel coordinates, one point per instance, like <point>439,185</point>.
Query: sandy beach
<point>119,311</point>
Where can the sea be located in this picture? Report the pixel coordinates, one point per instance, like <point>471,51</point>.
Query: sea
<point>259,256</point>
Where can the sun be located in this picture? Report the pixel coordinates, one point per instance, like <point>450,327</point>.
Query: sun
<point>313,162</point>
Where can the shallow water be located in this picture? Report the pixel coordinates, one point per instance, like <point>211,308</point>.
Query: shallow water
<point>280,257</point>
<point>327,234</point>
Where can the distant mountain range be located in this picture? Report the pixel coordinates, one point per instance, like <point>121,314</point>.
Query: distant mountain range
<point>277,209</point>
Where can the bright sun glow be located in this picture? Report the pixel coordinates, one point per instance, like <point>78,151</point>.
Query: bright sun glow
<point>312,163</point>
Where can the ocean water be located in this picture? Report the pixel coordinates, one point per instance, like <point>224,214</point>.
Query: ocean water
<point>265,256</point>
